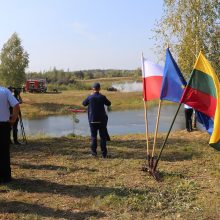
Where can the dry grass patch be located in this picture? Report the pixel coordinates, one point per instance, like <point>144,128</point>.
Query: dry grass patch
<point>55,178</point>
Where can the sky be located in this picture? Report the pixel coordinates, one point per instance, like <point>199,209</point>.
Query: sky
<point>82,34</point>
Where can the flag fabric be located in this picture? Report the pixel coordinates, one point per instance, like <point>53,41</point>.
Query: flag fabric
<point>206,121</point>
<point>202,93</point>
<point>173,83</point>
<point>152,79</point>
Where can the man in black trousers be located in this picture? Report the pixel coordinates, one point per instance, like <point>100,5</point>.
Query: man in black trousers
<point>6,100</point>
<point>188,116</point>
<point>97,119</point>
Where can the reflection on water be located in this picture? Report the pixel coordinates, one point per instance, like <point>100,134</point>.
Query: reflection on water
<point>120,122</point>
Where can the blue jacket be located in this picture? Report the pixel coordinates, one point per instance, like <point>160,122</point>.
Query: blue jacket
<point>96,109</point>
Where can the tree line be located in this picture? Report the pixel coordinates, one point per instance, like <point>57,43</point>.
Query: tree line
<point>61,77</point>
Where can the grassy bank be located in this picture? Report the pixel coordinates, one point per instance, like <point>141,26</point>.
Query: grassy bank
<point>54,178</point>
<point>51,103</point>
<point>39,105</point>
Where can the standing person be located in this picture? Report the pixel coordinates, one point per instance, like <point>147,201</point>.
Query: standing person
<point>97,119</point>
<point>15,125</point>
<point>6,100</point>
<point>188,116</point>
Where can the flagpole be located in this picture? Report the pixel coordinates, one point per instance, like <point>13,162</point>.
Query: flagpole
<point>145,114</point>
<point>146,125</point>
<point>165,141</point>
<point>156,130</point>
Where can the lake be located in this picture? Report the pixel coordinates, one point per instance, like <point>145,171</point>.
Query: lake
<point>120,122</point>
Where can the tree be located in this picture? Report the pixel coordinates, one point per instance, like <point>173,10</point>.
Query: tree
<point>79,74</point>
<point>14,61</point>
<point>215,52</point>
<point>187,27</point>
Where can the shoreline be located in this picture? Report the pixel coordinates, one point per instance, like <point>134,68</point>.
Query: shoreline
<point>41,105</point>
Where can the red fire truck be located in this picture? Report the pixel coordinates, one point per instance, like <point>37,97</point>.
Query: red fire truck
<point>36,85</point>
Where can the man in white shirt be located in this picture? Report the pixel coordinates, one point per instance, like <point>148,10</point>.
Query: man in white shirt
<point>6,100</point>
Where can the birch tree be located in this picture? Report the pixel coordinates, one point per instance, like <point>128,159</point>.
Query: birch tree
<point>189,26</point>
<point>14,61</point>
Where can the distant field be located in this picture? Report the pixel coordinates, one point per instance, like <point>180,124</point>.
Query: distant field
<point>45,104</point>
<point>38,105</point>
<point>55,178</point>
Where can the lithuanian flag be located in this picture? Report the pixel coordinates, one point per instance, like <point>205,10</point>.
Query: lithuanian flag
<point>202,93</point>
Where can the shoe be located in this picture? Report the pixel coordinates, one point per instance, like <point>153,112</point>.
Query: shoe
<point>17,143</point>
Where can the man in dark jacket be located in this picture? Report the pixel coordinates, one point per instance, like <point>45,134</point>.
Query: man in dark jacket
<point>97,118</point>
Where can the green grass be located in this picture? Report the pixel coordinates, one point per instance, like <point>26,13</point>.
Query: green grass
<point>55,178</point>
<point>41,105</point>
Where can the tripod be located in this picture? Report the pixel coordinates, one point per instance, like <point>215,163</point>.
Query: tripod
<point>22,129</point>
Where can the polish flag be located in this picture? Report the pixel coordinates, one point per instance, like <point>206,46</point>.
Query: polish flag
<point>152,75</point>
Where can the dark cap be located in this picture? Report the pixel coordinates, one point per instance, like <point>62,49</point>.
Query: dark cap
<point>96,86</point>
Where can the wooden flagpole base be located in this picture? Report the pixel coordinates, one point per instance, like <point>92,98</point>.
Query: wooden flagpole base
<point>149,167</point>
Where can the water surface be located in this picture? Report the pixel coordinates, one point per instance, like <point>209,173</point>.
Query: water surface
<point>120,122</point>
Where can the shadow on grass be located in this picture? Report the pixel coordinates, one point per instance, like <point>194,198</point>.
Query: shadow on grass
<point>179,150</point>
<point>135,144</point>
<point>52,167</point>
<point>79,191</point>
<point>34,209</point>
<point>174,149</point>
<point>39,167</point>
<point>79,148</point>
<point>54,146</point>
<point>179,156</point>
